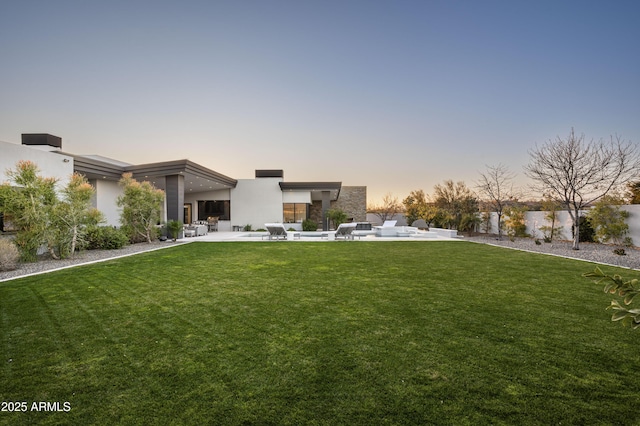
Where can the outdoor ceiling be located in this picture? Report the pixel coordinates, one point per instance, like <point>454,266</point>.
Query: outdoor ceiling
<point>192,183</point>
<point>196,177</point>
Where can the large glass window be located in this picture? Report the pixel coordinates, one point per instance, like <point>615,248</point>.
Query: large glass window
<point>294,212</point>
<point>214,208</point>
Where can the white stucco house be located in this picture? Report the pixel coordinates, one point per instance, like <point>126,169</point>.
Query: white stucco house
<point>192,192</point>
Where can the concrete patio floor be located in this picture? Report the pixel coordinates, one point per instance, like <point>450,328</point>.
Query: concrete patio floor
<point>261,236</point>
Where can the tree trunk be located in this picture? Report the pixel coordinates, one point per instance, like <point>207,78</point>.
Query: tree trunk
<point>74,241</point>
<point>576,230</point>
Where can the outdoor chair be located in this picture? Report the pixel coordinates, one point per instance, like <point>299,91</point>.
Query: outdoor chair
<point>277,231</point>
<point>212,222</point>
<point>388,229</point>
<point>345,231</point>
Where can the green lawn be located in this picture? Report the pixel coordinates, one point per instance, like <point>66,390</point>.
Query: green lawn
<point>319,333</point>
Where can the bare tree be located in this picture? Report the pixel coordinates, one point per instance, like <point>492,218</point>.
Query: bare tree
<point>577,173</point>
<point>388,209</point>
<point>496,185</point>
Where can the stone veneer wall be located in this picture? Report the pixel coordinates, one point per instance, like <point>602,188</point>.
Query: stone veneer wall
<point>352,201</point>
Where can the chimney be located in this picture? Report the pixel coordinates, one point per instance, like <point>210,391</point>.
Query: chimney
<point>42,140</point>
<point>269,174</point>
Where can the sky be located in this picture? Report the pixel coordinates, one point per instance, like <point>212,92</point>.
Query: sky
<point>396,95</point>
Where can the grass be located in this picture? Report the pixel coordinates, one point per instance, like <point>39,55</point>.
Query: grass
<point>318,333</point>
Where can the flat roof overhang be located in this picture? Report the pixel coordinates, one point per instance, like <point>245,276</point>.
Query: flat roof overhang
<point>95,169</point>
<point>196,177</point>
<point>316,188</point>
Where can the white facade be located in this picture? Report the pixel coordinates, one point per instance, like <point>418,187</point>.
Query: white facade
<point>256,202</point>
<point>50,163</point>
<point>536,219</point>
<point>252,202</point>
<point>107,192</point>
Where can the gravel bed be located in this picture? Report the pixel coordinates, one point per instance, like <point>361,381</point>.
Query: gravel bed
<point>46,263</point>
<point>592,252</point>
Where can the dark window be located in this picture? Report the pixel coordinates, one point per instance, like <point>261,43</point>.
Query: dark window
<point>219,209</point>
<point>294,212</point>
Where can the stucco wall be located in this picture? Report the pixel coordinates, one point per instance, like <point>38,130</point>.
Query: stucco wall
<point>107,192</point>
<point>535,219</point>
<point>256,202</point>
<point>51,164</point>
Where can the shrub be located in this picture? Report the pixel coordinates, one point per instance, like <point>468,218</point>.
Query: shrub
<point>9,255</point>
<point>309,225</point>
<point>608,220</point>
<point>626,292</point>
<point>586,234</point>
<point>174,227</point>
<point>620,252</point>
<point>247,228</point>
<point>105,238</point>
<point>141,204</point>
<point>337,216</point>
<point>515,221</point>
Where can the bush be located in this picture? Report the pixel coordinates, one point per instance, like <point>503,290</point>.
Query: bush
<point>9,255</point>
<point>174,227</point>
<point>620,252</point>
<point>309,225</point>
<point>515,221</point>
<point>105,238</point>
<point>337,216</point>
<point>586,233</point>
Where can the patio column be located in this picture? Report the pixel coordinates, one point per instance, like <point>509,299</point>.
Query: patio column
<point>326,205</point>
<point>174,191</point>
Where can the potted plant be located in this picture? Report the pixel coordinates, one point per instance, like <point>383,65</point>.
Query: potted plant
<point>174,227</point>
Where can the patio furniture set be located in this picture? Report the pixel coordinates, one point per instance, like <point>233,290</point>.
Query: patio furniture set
<point>350,231</point>
<point>201,227</point>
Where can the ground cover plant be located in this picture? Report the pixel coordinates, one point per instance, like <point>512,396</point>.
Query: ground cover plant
<point>318,333</point>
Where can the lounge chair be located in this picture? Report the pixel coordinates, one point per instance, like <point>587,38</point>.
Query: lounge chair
<point>277,231</point>
<point>388,229</point>
<point>345,231</point>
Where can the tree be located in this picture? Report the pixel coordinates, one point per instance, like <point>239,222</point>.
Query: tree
<point>388,209</point>
<point>455,200</point>
<point>515,222</point>
<point>577,173</point>
<point>26,201</point>
<point>141,205</point>
<point>415,206</point>
<point>337,216</point>
<point>496,185</point>
<point>71,216</point>
<point>633,192</point>
<point>608,220</point>
<point>551,206</point>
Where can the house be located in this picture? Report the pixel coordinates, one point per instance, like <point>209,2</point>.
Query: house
<point>194,192</point>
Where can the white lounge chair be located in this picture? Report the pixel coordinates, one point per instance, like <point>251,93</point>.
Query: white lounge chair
<point>388,229</point>
<point>345,231</point>
<point>277,231</point>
